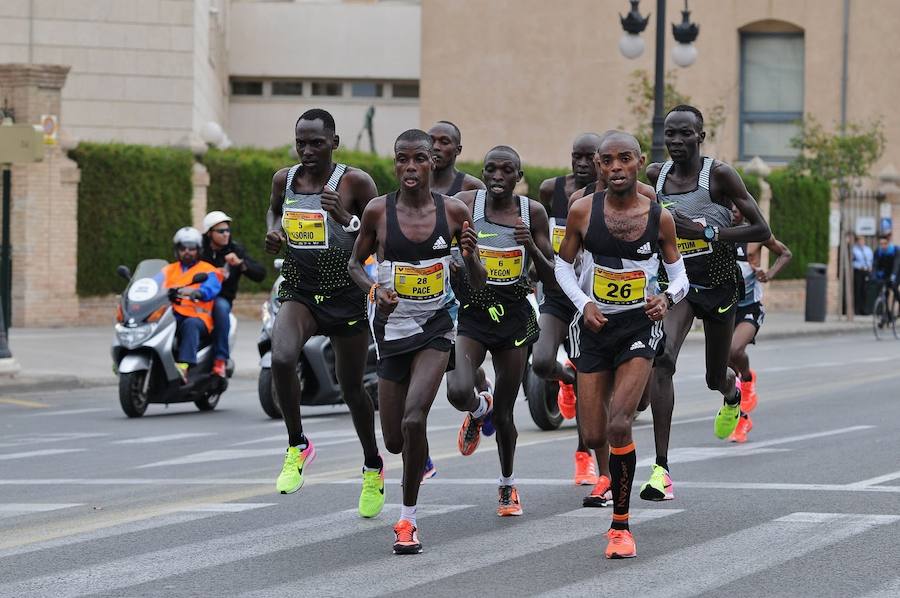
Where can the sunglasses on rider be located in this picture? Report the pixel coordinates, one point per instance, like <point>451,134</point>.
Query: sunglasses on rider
<point>221,231</point>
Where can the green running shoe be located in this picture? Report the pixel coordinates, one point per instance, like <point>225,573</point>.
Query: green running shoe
<point>371,499</point>
<point>291,477</point>
<point>660,486</point>
<point>727,419</point>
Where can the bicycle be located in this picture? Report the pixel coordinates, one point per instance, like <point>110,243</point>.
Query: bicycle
<point>884,313</point>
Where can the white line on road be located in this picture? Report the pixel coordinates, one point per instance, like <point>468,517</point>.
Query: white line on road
<point>40,453</point>
<point>163,438</point>
<point>145,568</point>
<point>392,575</point>
<point>15,509</point>
<point>634,515</point>
<point>697,569</point>
<point>68,412</point>
<point>877,480</point>
<point>227,507</point>
<point>345,436</point>
<point>26,439</point>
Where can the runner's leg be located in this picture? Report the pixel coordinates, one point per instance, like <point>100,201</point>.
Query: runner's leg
<point>294,325</point>
<point>350,356</point>
<point>509,365</point>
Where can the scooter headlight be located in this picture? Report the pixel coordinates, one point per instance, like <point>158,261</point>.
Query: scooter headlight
<point>131,337</point>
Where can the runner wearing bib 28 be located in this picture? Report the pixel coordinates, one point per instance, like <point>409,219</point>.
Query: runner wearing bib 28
<point>511,231</point>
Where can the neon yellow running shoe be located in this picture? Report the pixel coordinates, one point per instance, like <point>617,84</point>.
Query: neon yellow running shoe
<point>291,477</point>
<point>660,486</point>
<point>371,499</point>
<point>727,419</point>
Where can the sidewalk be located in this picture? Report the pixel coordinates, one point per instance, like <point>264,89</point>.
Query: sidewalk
<point>60,358</point>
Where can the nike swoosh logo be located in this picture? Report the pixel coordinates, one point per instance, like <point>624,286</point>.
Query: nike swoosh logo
<point>483,235</point>
<point>381,490</point>
<point>723,310</point>
<point>666,204</point>
<point>352,322</point>
<point>521,342</point>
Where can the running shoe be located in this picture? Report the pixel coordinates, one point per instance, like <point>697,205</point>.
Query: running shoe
<point>600,496</point>
<point>621,544</point>
<point>406,538</point>
<point>748,393</point>
<point>219,368</point>
<point>371,499</point>
<point>291,477</point>
<point>659,487</point>
<point>430,470</point>
<point>585,472</point>
<point>727,419</point>
<point>565,398</point>
<point>743,428</point>
<point>470,432</point>
<point>487,426</point>
<point>509,505</point>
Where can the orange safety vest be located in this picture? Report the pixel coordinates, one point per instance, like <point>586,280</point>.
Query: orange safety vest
<point>173,277</point>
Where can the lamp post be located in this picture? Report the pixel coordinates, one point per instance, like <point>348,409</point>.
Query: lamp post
<point>684,54</point>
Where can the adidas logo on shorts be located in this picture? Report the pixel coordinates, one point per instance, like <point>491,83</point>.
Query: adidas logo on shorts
<point>748,317</point>
<point>637,345</point>
<point>644,249</point>
<point>440,243</point>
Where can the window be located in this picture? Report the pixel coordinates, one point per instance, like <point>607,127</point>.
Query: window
<point>405,90</point>
<point>246,88</point>
<point>365,89</point>
<point>771,94</point>
<point>327,88</point>
<point>287,88</point>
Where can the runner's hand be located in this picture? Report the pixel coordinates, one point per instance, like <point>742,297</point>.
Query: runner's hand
<point>274,240</point>
<point>331,203</point>
<point>593,317</point>
<point>686,228</point>
<point>656,307</point>
<point>386,300</point>
<point>468,242</point>
<point>523,235</point>
<point>761,275</point>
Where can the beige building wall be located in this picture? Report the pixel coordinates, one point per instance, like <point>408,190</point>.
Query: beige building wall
<point>534,74</point>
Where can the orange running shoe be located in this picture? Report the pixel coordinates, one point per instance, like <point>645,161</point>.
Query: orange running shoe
<point>600,496</point>
<point>509,505</point>
<point>748,393</point>
<point>565,398</point>
<point>470,432</point>
<point>744,425</point>
<point>406,539</point>
<point>621,544</point>
<point>585,472</point>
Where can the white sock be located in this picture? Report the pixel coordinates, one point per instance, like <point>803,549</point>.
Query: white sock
<point>510,481</point>
<point>408,514</point>
<point>482,406</point>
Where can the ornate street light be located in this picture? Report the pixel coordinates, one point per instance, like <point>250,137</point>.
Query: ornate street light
<point>683,54</point>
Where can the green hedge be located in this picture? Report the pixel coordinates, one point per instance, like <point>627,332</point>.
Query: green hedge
<point>131,200</point>
<point>799,217</point>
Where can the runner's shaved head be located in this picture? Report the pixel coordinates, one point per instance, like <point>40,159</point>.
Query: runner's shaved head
<point>505,149</point>
<point>587,140</point>
<point>613,136</point>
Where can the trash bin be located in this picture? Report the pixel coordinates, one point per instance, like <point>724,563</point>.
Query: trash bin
<point>816,283</point>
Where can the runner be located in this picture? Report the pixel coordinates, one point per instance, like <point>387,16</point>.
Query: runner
<point>749,317</point>
<point>557,313</point>
<point>315,209</point>
<point>512,230</point>
<point>412,309</point>
<point>620,329</point>
<point>700,192</point>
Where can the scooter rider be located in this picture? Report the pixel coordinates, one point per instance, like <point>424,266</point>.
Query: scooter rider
<point>192,302</point>
<point>219,249</point>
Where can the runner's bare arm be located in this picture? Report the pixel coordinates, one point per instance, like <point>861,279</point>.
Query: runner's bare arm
<point>778,248</point>
<point>275,235</point>
<point>545,194</point>
<point>732,186</point>
<point>460,220</point>
<point>646,190</point>
<point>366,243</point>
<point>363,188</point>
<point>538,237</point>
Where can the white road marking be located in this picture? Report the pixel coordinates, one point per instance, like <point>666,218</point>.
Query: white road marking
<point>392,575</point>
<point>16,509</point>
<point>877,480</point>
<point>634,515</point>
<point>130,571</point>
<point>163,438</point>
<point>40,453</point>
<point>699,568</point>
<point>69,412</point>
<point>26,439</point>
<point>344,436</point>
<point>227,507</point>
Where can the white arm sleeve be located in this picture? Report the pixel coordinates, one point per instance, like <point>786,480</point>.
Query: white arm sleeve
<point>568,282</point>
<point>678,280</point>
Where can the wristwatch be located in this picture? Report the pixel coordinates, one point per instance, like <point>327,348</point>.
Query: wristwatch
<point>709,232</point>
<point>669,301</point>
<point>353,225</point>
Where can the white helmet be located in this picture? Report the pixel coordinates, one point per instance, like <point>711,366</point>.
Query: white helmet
<point>188,236</point>
<point>214,218</point>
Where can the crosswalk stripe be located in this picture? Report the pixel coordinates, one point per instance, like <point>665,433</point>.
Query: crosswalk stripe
<point>26,439</point>
<point>69,412</point>
<point>442,560</point>
<point>634,515</point>
<point>39,453</point>
<point>163,438</point>
<point>228,507</point>
<point>701,568</point>
<point>145,568</point>
<point>16,509</point>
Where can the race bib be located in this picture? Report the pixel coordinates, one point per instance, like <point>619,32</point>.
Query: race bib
<point>557,235</point>
<point>419,283</point>
<point>503,265</point>
<point>306,229</point>
<point>694,247</point>
<point>619,288</point>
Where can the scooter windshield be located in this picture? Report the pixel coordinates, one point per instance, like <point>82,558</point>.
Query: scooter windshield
<point>144,295</point>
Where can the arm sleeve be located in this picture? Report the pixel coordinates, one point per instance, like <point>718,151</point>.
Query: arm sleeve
<point>211,287</point>
<point>678,280</point>
<point>568,282</point>
<point>255,271</point>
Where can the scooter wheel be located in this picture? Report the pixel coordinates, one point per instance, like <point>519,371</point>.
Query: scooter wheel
<point>132,396</point>
<point>208,403</point>
<point>268,399</point>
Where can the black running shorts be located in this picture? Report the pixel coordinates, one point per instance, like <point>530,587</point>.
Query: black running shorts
<point>343,314</point>
<point>503,327</point>
<point>713,304</point>
<point>624,336</point>
<point>750,314</point>
<point>396,368</point>
<point>559,306</point>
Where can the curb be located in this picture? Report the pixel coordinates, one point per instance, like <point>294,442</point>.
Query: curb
<point>25,384</point>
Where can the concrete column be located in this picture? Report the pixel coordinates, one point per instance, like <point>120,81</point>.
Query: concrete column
<point>200,182</point>
<point>44,218</point>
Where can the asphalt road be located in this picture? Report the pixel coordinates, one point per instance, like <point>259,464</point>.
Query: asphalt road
<point>182,503</point>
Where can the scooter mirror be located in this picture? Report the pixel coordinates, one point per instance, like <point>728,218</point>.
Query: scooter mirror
<point>124,272</point>
<point>278,263</point>
<point>199,277</point>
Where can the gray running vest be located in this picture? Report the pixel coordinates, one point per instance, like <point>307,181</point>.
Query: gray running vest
<point>752,287</point>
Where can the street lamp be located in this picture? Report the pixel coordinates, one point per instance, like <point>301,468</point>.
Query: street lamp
<point>684,54</point>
